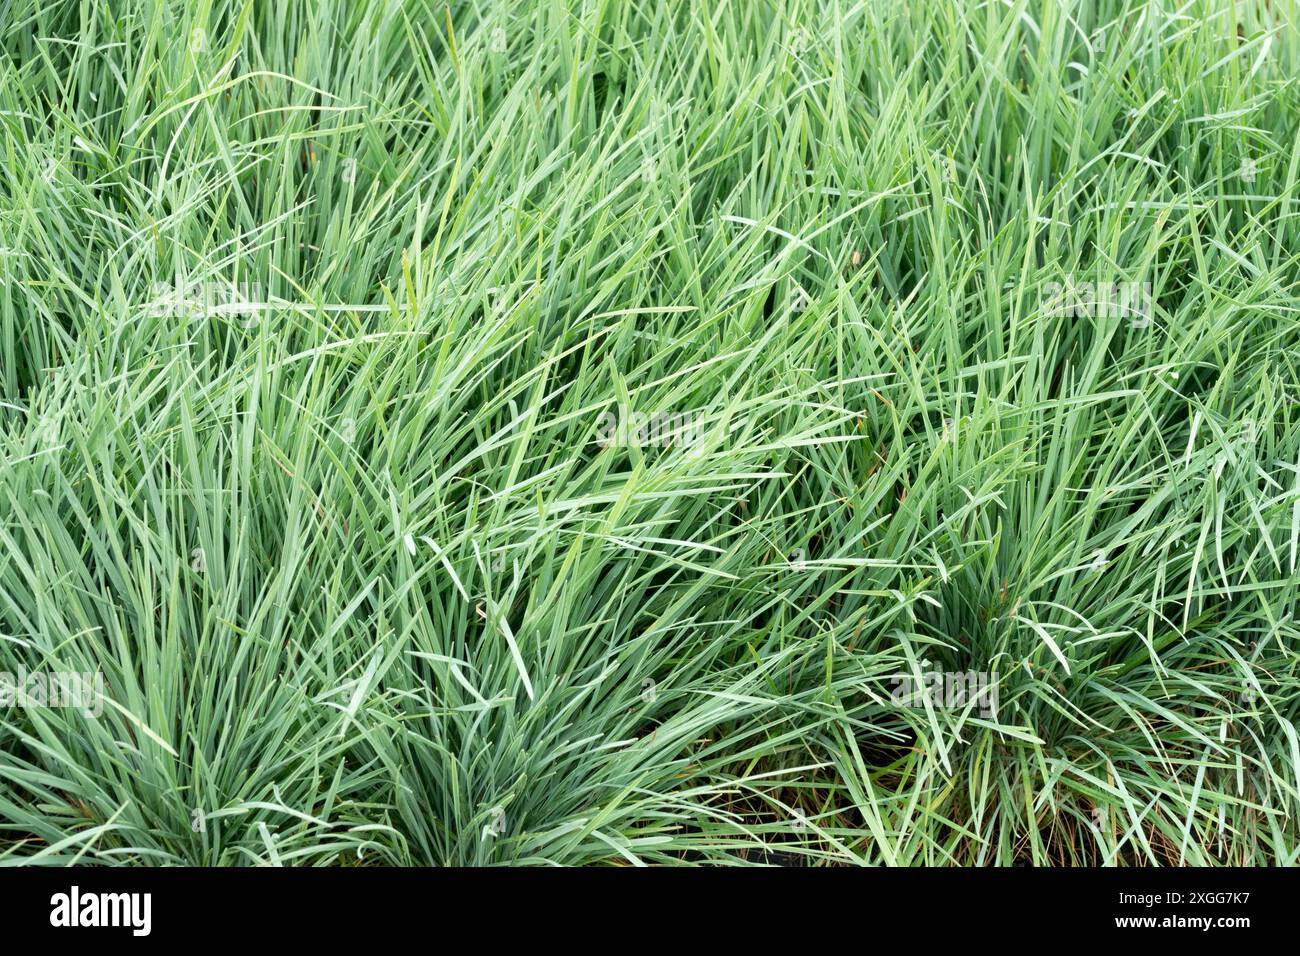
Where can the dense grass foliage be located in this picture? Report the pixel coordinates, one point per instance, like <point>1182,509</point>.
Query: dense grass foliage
<point>544,432</point>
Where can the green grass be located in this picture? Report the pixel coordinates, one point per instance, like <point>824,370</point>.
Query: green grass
<point>367,585</point>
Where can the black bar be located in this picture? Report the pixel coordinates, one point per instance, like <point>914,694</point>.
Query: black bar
<point>554,906</point>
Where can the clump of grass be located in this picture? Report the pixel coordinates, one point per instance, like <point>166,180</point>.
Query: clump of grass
<point>337,343</point>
